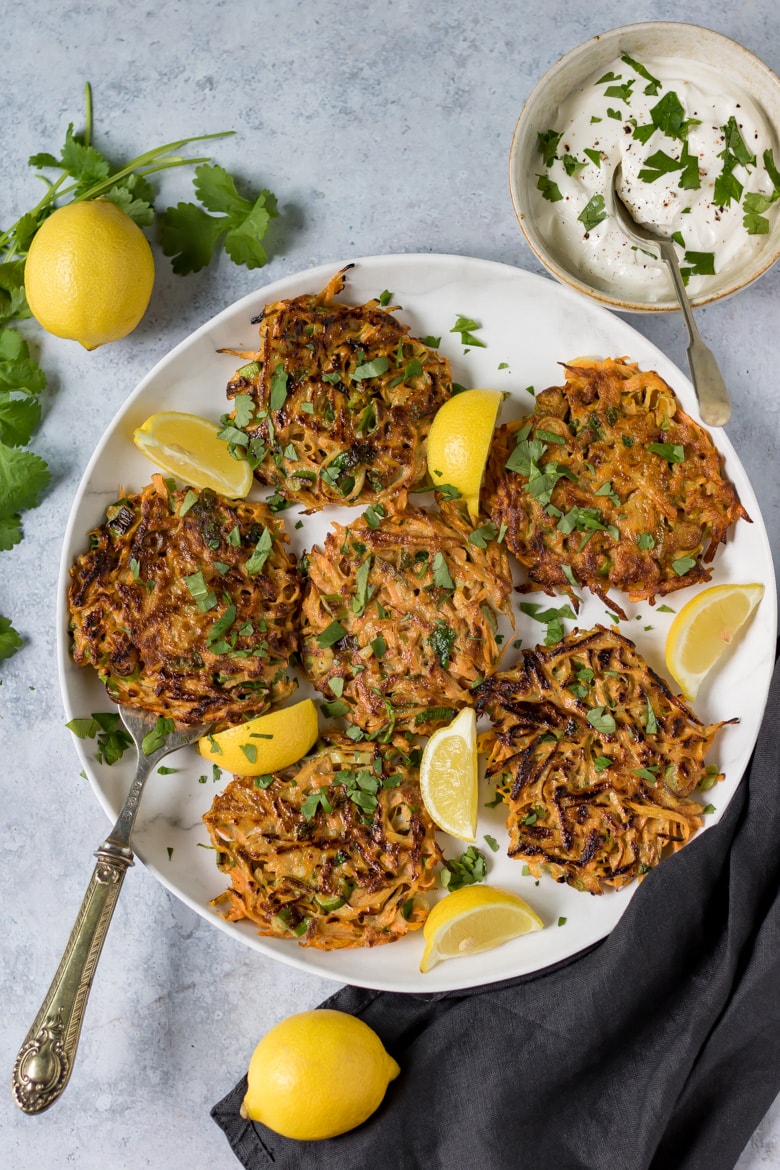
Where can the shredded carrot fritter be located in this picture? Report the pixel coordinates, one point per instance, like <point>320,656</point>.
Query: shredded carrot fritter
<point>399,617</point>
<point>337,851</point>
<point>610,483</point>
<point>340,400</point>
<point>596,760</point>
<point>187,604</point>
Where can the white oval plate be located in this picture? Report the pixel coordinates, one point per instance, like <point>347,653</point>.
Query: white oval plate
<point>530,323</point>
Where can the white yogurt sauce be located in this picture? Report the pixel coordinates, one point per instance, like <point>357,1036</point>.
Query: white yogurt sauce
<point>602,254</point>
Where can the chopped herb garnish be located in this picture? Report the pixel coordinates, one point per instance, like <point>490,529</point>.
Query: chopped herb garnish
<point>593,213</point>
<point>654,84</point>
<point>467,870</point>
<point>601,720</point>
<point>332,634</point>
<point>547,142</point>
<point>196,583</point>
<point>106,729</point>
<point>315,800</point>
<point>154,739</point>
<point>550,190</point>
<point>550,617</point>
<point>222,625</point>
<point>441,641</point>
<point>672,452</point>
<point>261,553</point>
<point>441,574</point>
<point>683,565</point>
<point>190,498</point>
<point>651,723</point>
<point>480,536</point>
<point>465,326</point>
<point>372,369</point>
<point>278,394</point>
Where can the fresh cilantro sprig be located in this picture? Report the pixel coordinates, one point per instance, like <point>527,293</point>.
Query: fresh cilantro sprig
<point>189,235</point>
<point>84,174</point>
<point>24,476</point>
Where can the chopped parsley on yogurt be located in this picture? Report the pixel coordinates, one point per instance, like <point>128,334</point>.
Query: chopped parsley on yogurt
<point>698,165</point>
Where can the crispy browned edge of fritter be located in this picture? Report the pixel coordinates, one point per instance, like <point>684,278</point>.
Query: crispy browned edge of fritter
<point>379,866</point>
<point>603,563</point>
<point>135,621</point>
<point>387,461</point>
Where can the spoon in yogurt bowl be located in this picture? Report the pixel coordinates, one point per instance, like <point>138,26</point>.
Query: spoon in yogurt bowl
<point>713,398</point>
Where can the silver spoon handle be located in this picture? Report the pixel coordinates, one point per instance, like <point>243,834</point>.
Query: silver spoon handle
<point>711,392</point>
<point>45,1060</point>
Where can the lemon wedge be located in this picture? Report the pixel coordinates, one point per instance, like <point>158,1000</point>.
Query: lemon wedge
<point>188,446</point>
<point>449,779</point>
<point>264,744</point>
<point>317,1074</point>
<point>704,628</point>
<point>459,442</point>
<point>476,918</point>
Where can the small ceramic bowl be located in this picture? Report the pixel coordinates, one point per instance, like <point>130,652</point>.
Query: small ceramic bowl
<point>568,255</point>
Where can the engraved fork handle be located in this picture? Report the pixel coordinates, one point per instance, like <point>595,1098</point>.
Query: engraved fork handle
<point>45,1060</point>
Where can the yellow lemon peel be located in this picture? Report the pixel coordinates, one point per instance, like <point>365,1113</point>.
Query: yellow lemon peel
<point>316,1075</point>
<point>265,744</point>
<point>459,442</point>
<point>449,780</point>
<point>188,447</point>
<point>475,918</point>
<point>89,273</point>
<point>704,629</point>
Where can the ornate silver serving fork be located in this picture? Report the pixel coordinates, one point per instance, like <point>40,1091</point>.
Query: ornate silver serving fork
<point>45,1060</point>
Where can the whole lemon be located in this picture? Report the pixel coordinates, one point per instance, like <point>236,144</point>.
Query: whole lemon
<point>317,1074</point>
<point>89,273</point>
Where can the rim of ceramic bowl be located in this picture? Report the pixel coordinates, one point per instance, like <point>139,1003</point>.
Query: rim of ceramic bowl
<point>569,62</point>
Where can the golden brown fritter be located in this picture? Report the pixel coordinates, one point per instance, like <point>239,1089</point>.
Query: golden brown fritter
<point>186,604</point>
<point>596,759</point>
<point>336,851</point>
<point>399,616</point>
<point>336,403</point>
<point>610,484</point>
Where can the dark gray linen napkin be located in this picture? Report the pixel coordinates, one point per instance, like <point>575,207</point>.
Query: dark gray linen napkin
<point>657,1049</point>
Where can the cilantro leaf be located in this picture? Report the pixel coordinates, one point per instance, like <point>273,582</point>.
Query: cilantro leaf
<point>13,302</point>
<point>771,170</point>
<point>189,234</point>
<point>550,190</point>
<point>593,213</point>
<point>23,478</point>
<point>10,641</point>
<point>659,164</point>
<point>10,531</point>
<point>547,141</point>
<point>466,870</point>
<point>82,162</point>
<point>19,417</point>
<point>135,196</point>
<point>654,84</point>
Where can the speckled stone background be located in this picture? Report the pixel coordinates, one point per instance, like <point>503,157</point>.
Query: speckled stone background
<point>381,128</point>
